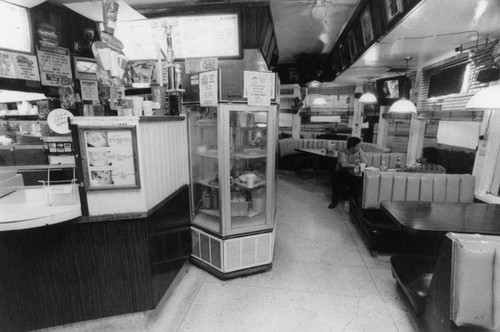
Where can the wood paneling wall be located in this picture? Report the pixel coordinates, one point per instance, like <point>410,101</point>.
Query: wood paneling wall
<point>73,272</point>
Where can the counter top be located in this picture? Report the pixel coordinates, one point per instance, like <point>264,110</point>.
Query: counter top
<point>29,208</point>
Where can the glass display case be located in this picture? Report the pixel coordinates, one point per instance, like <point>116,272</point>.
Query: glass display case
<point>233,186</point>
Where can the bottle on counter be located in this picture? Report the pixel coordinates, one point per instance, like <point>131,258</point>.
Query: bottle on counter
<point>356,164</point>
<point>398,163</point>
<point>383,167</point>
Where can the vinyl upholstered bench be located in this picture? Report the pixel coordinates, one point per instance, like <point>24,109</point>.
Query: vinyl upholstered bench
<point>381,232</point>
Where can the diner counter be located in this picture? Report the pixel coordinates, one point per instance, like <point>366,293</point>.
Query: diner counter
<point>29,207</point>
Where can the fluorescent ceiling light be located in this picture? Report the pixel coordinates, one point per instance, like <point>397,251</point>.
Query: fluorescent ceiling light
<point>8,96</point>
<point>26,3</point>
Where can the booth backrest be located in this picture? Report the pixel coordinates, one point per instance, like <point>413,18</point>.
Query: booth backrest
<point>288,145</point>
<point>374,159</point>
<point>425,187</point>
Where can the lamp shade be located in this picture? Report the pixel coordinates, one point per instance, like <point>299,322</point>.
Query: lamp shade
<point>368,98</point>
<point>486,99</point>
<point>403,106</point>
<point>319,101</point>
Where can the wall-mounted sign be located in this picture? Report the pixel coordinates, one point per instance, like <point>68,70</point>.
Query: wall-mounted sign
<point>15,28</point>
<point>25,66</point>
<point>6,66</point>
<point>55,65</point>
<point>109,157</point>
<point>193,36</point>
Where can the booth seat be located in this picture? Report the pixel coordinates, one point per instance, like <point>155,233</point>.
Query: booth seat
<point>379,186</point>
<point>290,158</point>
<point>461,291</point>
<point>374,159</point>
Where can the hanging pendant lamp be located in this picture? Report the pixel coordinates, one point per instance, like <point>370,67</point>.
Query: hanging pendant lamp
<point>368,98</point>
<point>403,105</point>
<point>486,99</point>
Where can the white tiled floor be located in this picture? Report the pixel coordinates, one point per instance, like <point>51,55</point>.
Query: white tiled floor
<point>323,279</point>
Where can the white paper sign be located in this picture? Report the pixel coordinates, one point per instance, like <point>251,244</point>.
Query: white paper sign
<point>55,65</point>
<point>208,88</point>
<point>257,87</point>
<point>89,90</point>
<point>6,66</point>
<point>58,120</point>
<point>26,66</point>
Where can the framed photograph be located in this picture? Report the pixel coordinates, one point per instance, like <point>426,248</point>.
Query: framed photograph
<point>367,26</point>
<point>393,8</point>
<point>109,158</point>
<point>344,56</point>
<point>351,43</point>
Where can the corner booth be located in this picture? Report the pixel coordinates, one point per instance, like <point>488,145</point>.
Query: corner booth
<point>134,155</point>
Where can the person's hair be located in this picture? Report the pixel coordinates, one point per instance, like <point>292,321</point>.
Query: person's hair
<point>353,141</point>
<point>431,154</point>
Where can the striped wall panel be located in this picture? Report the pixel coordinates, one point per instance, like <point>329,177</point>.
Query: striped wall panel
<point>163,167</point>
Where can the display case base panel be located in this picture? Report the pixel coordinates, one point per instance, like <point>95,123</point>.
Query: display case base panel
<point>230,275</point>
<point>233,256</point>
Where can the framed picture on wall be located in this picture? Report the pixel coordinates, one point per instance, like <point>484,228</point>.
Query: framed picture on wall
<point>351,43</point>
<point>367,26</point>
<point>393,8</point>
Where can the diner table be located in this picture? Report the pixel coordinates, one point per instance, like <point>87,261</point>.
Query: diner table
<point>318,155</point>
<point>415,273</point>
<point>426,217</point>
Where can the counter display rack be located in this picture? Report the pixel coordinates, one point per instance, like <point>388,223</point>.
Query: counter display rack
<point>233,187</point>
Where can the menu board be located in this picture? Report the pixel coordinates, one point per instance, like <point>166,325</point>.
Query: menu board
<point>109,158</point>
<point>55,65</point>
<point>15,27</point>
<point>193,36</point>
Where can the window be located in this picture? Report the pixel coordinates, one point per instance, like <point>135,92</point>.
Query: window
<point>447,81</point>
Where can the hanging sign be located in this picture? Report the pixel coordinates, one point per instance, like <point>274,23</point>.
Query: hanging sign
<point>25,66</point>
<point>6,66</point>
<point>55,65</point>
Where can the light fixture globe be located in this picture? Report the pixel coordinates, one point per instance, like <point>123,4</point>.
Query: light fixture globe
<point>403,106</point>
<point>486,99</point>
<point>368,98</point>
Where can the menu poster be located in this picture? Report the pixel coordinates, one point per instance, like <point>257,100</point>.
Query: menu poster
<point>110,158</point>
<point>257,86</point>
<point>6,66</point>
<point>89,90</point>
<point>55,65</point>
<point>26,66</point>
<point>208,88</point>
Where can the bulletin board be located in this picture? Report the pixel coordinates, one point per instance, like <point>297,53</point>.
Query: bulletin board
<point>109,157</point>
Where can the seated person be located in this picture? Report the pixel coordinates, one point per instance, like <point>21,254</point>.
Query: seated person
<point>429,162</point>
<point>343,180</point>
